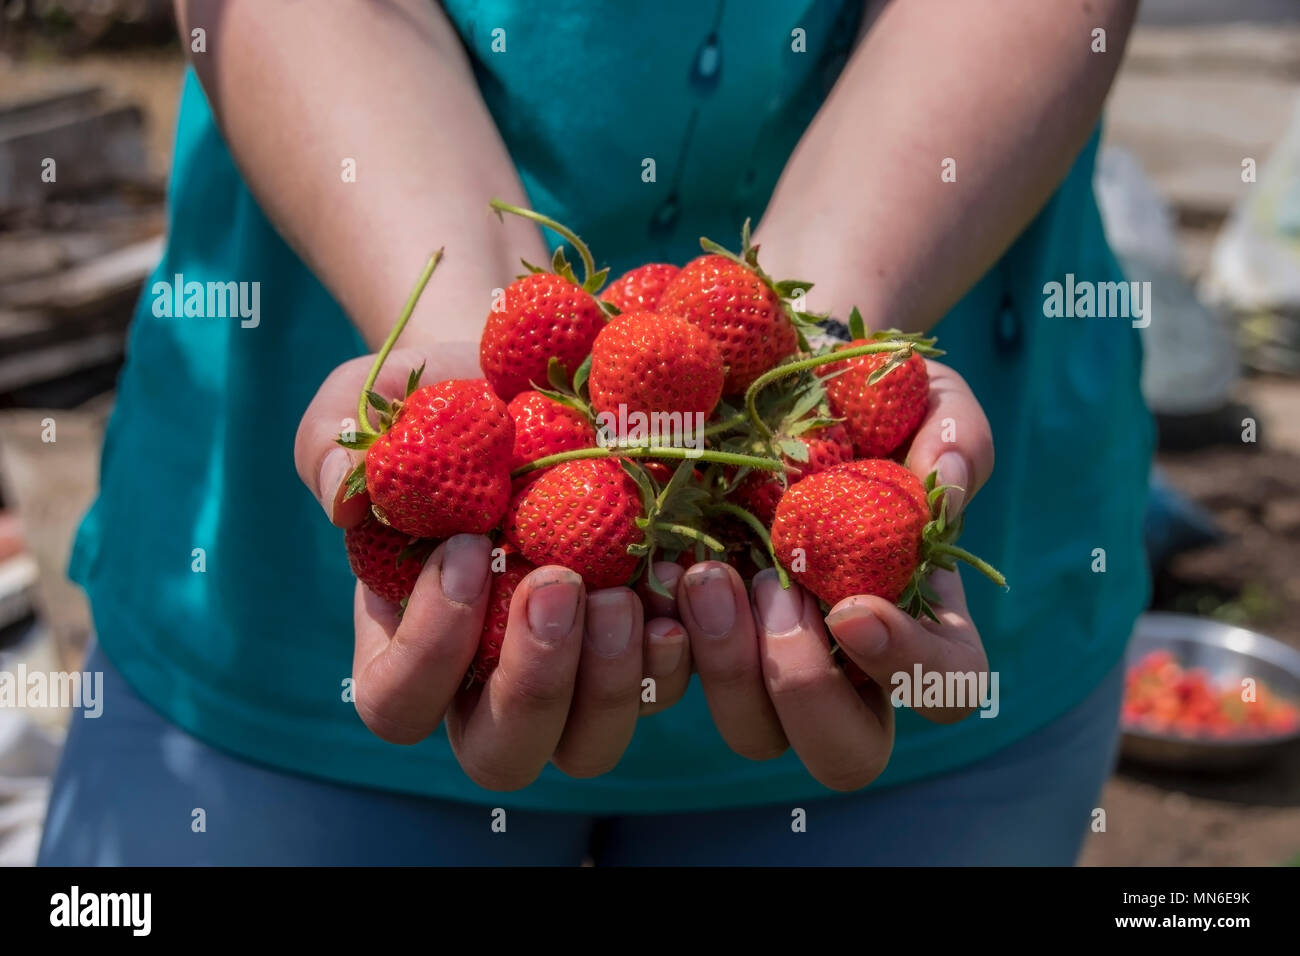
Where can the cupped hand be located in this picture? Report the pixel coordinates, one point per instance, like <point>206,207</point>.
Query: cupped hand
<point>571,680</point>
<point>765,660</point>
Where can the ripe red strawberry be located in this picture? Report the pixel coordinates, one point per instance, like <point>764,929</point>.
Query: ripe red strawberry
<point>865,527</point>
<point>740,311</point>
<point>649,363</point>
<point>498,615</point>
<point>639,290</point>
<point>581,515</point>
<point>860,527</point>
<point>539,316</point>
<point>761,491</point>
<point>880,417</point>
<point>593,517</point>
<point>373,551</point>
<point>544,427</point>
<point>443,465</point>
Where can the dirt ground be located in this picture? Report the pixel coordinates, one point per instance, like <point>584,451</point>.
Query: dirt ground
<point>1251,577</point>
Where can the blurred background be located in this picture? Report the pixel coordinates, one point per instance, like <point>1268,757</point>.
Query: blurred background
<point>1199,184</point>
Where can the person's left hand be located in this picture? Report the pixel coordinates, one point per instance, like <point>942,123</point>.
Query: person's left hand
<point>764,659</point>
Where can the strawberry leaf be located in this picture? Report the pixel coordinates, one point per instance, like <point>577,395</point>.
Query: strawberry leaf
<point>356,481</point>
<point>596,280</point>
<point>581,375</point>
<point>557,375</point>
<point>378,403</point>
<point>565,399</point>
<point>857,327</point>
<point>360,443</point>
<point>794,449</point>
<point>708,245</point>
<point>895,360</point>
<point>653,582</point>
<point>788,288</point>
<point>413,380</point>
<point>419,548</point>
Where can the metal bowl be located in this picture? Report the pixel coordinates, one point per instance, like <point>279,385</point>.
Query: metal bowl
<point>1227,654</point>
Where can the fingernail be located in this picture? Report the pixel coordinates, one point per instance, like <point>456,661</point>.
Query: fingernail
<point>667,573</point>
<point>465,560</point>
<point>779,609</point>
<point>952,471</point>
<point>858,629</point>
<point>609,621</point>
<point>713,604</point>
<point>666,641</point>
<point>333,470</point>
<point>553,606</point>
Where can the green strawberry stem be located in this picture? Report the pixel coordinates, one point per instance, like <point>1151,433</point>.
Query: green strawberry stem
<point>651,451</point>
<point>803,365</point>
<point>979,564</point>
<point>726,507</point>
<point>694,534</point>
<point>588,263</point>
<point>363,418</point>
<point>726,425</point>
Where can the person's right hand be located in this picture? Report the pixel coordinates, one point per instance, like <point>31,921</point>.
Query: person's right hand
<point>568,688</point>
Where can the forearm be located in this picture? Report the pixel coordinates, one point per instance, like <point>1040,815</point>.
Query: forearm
<point>1010,95</point>
<point>299,88</point>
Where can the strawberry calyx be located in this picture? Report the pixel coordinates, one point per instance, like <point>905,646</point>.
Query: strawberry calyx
<point>789,411</point>
<point>939,551</point>
<point>789,291</point>
<point>364,435</point>
<point>571,394</point>
<point>670,519</point>
<point>900,346</point>
<point>592,279</point>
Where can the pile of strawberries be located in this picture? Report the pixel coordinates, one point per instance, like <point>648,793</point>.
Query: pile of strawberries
<point>680,414</point>
<point>1162,696</point>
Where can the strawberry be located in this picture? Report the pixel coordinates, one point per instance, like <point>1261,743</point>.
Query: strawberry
<point>602,519</point>
<point>880,416</point>
<point>824,447</point>
<point>640,289</point>
<point>497,617</point>
<point>384,559</point>
<point>643,362</point>
<point>538,317</point>
<point>544,426</point>
<point>866,527</point>
<point>740,313</point>
<point>442,465</point>
<point>742,309</point>
<point>581,515</point>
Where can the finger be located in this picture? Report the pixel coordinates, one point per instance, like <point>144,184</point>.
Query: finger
<point>407,669</point>
<point>889,644</point>
<point>656,604</point>
<point>724,649</point>
<point>607,694</point>
<point>954,438</point>
<point>504,732</point>
<point>842,737</point>
<point>322,464</point>
<point>667,651</point>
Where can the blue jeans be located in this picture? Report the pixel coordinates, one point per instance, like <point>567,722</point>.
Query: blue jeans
<point>132,788</point>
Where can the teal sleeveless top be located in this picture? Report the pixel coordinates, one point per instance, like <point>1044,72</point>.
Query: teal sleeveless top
<point>251,653</point>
